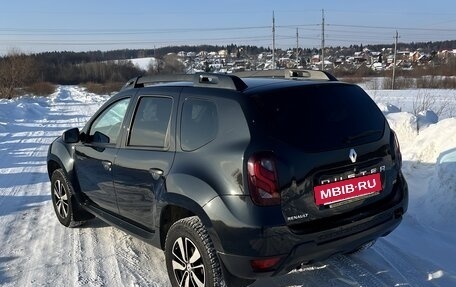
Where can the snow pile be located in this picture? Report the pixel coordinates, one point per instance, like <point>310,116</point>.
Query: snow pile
<point>4,106</point>
<point>30,111</point>
<point>433,141</point>
<point>387,108</point>
<point>426,118</point>
<point>441,198</point>
<point>404,124</point>
<point>435,146</point>
<point>432,151</point>
<point>32,108</point>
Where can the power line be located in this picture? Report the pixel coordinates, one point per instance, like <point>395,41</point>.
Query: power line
<point>393,28</point>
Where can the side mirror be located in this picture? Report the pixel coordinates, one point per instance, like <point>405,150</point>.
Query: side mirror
<point>71,136</point>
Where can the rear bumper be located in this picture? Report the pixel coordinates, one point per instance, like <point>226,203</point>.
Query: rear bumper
<point>246,243</point>
<point>312,250</point>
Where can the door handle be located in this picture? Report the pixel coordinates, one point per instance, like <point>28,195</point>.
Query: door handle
<point>106,165</point>
<point>156,173</point>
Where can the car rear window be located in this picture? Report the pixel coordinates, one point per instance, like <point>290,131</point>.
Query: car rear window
<point>319,117</point>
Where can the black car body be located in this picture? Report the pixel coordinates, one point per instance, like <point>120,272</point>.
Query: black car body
<point>274,173</point>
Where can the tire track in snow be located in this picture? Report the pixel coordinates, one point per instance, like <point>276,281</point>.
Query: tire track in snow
<point>33,243</point>
<point>37,250</point>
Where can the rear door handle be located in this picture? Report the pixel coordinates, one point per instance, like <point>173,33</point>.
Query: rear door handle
<point>156,173</point>
<point>107,165</point>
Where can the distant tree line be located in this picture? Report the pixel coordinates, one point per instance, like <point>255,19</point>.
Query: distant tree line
<point>18,70</point>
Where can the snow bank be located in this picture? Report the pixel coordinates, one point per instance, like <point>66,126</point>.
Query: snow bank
<point>430,160</point>
<point>426,118</point>
<point>431,153</point>
<point>439,99</point>
<point>388,108</point>
<point>30,108</point>
<point>440,201</point>
<point>404,124</point>
<point>437,144</point>
<point>433,141</point>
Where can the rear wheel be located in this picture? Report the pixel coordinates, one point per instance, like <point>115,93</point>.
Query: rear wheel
<point>62,199</point>
<point>191,259</point>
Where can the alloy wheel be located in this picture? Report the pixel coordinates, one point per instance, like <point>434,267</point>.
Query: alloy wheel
<point>187,263</point>
<point>61,199</point>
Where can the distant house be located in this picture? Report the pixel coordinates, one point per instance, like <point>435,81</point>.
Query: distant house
<point>403,55</point>
<point>423,59</point>
<point>212,54</point>
<point>202,54</point>
<point>377,66</point>
<point>315,59</point>
<point>223,53</point>
<point>359,59</point>
<point>415,56</point>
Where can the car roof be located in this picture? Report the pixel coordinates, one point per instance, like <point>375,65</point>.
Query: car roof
<point>242,82</point>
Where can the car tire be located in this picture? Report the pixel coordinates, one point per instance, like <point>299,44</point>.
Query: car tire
<point>191,259</point>
<point>62,199</point>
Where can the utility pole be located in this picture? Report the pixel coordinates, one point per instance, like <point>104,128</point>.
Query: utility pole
<point>273,41</point>
<point>394,61</point>
<point>322,39</point>
<point>297,47</point>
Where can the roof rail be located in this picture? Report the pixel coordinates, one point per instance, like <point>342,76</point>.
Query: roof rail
<point>223,81</point>
<point>141,81</point>
<point>295,74</point>
<point>209,80</point>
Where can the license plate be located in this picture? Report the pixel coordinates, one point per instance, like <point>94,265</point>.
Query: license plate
<point>347,189</point>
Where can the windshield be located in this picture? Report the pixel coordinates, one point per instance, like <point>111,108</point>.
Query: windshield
<point>320,117</point>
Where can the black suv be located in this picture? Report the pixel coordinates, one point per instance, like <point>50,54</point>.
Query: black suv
<point>234,177</point>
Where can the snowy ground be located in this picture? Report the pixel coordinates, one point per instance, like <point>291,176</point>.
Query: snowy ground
<point>37,251</point>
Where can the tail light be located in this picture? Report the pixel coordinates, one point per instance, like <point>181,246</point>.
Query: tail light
<point>397,156</point>
<point>263,182</point>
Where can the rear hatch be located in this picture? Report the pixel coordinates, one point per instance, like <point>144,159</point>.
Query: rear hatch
<point>332,152</point>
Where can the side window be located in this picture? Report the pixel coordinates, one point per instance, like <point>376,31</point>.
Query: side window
<point>199,123</point>
<point>151,122</point>
<point>106,128</point>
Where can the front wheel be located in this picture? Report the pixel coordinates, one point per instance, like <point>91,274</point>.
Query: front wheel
<point>62,197</point>
<point>191,259</point>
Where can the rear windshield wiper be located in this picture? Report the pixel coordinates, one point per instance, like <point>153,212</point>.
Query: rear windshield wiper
<point>364,134</point>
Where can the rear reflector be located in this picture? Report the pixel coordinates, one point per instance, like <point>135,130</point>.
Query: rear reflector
<point>262,265</point>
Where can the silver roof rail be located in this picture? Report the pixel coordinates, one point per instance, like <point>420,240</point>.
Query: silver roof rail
<point>209,80</point>
<point>295,74</point>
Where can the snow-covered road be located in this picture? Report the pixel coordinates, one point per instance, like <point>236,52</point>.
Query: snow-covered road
<point>36,250</point>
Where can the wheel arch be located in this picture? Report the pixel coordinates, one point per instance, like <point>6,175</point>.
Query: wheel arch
<point>175,210</point>
<point>59,157</point>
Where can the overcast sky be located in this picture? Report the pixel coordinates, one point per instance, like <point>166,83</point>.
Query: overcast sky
<point>82,25</point>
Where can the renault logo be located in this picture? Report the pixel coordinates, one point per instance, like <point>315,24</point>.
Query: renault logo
<point>352,155</point>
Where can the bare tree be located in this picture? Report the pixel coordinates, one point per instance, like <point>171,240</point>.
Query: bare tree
<point>173,65</point>
<point>422,102</point>
<point>16,70</point>
<point>169,65</point>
